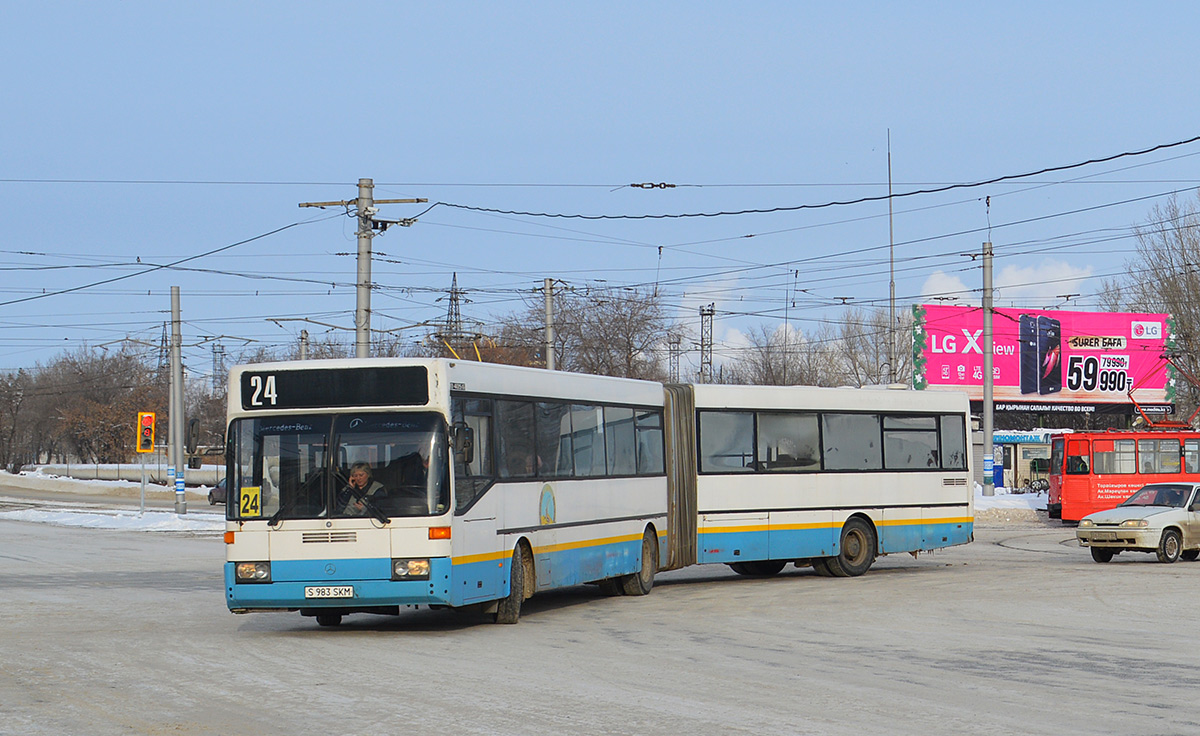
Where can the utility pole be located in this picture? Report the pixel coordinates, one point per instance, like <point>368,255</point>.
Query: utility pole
<point>177,409</point>
<point>367,224</point>
<point>988,456</point>
<point>218,375</point>
<point>548,288</point>
<point>673,357</point>
<point>303,344</point>
<point>891,273</point>
<point>706,340</point>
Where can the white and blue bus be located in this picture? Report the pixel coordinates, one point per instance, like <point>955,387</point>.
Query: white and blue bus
<point>369,485</point>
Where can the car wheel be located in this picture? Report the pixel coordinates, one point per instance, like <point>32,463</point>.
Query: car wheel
<point>1170,546</point>
<point>211,501</point>
<point>1101,555</point>
<point>1190,555</point>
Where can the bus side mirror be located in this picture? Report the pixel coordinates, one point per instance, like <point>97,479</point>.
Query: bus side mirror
<point>464,443</point>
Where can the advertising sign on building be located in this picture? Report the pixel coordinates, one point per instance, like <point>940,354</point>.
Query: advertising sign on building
<point>1046,360</point>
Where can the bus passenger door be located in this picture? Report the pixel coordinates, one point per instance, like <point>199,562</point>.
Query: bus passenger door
<point>479,567</point>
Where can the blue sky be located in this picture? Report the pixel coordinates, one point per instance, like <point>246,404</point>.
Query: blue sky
<point>156,132</point>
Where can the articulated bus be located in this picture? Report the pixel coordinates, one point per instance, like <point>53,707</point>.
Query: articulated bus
<point>1096,471</point>
<point>364,486</point>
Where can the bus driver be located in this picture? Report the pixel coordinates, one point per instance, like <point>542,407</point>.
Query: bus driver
<point>360,488</point>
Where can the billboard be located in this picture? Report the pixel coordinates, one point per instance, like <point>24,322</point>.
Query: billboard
<point>1045,360</point>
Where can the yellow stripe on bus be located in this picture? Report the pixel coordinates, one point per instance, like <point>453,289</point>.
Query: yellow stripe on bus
<point>503,555</point>
<point>827,525</point>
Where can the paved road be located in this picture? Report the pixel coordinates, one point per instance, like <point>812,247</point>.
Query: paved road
<point>108,632</point>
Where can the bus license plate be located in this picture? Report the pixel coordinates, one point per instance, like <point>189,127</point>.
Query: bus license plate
<point>329,591</point>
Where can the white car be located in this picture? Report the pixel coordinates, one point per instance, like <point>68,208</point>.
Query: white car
<point>1163,518</point>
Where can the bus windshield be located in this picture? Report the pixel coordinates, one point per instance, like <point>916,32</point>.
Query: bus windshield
<point>380,466</point>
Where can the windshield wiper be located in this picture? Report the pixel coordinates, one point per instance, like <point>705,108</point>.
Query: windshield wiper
<point>278,516</point>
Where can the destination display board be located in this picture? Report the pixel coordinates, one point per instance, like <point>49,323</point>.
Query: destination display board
<point>333,388</point>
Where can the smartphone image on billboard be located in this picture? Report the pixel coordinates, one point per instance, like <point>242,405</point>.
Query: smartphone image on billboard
<point>1027,340</point>
<point>1049,353</point>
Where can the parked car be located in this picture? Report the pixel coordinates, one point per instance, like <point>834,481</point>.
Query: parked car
<point>1163,518</point>
<point>216,494</point>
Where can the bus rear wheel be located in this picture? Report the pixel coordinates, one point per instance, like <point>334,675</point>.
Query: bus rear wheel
<point>857,550</point>
<point>821,567</point>
<point>641,582</point>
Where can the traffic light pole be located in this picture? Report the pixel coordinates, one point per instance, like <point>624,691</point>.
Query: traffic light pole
<point>142,510</point>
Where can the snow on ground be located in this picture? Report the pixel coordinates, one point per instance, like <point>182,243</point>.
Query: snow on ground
<point>101,518</point>
<point>98,516</point>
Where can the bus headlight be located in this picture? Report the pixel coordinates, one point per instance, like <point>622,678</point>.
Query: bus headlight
<point>1086,522</point>
<point>1134,522</point>
<point>410,569</point>
<point>253,572</point>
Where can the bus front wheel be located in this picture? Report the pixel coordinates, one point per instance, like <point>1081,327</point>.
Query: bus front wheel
<point>329,619</point>
<point>857,550</point>
<point>509,610</point>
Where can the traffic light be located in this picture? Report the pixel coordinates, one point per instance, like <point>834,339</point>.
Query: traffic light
<point>145,430</point>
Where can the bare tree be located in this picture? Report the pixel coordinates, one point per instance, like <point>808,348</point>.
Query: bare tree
<point>609,332</point>
<point>1164,276</point>
<point>98,397</point>
<point>783,357</point>
<point>865,356</point>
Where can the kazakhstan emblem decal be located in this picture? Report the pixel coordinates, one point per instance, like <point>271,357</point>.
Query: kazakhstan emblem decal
<point>546,505</point>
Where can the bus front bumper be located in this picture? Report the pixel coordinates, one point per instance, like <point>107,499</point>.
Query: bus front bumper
<point>349,584</point>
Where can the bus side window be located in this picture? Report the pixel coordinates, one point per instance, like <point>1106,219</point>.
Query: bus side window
<point>1191,456</point>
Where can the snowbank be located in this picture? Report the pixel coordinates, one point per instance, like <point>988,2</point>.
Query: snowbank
<point>42,480</point>
<point>1006,506</point>
<point>99,518</point>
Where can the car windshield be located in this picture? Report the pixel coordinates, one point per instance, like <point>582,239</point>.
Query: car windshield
<point>379,466</point>
<point>1161,494</point>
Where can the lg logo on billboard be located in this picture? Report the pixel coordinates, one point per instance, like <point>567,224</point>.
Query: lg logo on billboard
<point>1147,330</point>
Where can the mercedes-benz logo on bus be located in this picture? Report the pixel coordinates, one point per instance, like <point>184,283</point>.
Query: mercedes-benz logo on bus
<point>330,568</point>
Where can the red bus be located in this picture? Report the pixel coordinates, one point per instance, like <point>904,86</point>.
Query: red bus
<point>1094,471</point>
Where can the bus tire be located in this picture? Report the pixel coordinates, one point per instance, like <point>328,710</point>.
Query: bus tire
<point>857,550</point>
<point>1102,555</point>
<point>1170,546</point>
<point>509,609</point>
<point>329,619</point>
<point>758,568</point>
<point>820,566</point>
<point>610,586</point>
<point>1189,555</point>
<point>641,582</point>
